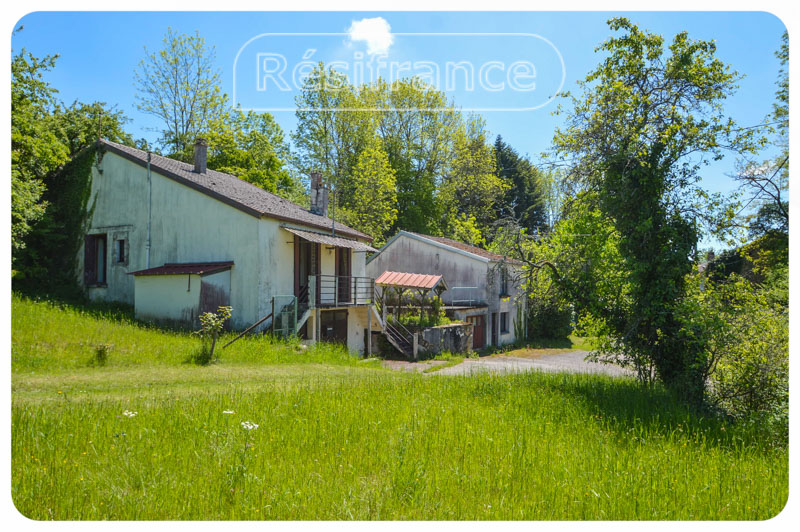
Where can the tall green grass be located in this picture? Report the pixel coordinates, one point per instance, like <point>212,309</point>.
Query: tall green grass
<point>346,441</point>
<point>51,337</point>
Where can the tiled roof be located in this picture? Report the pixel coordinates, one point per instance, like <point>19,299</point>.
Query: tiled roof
<point>409,280</point>
<point>232,190</point>
<point>468,248</point>
<point>184,268</point>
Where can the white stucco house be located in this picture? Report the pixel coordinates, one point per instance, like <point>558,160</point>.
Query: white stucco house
<point>176,239</point>
<point>483,287</point>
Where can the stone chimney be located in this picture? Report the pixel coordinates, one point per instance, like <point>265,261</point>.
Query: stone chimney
<point>200,155</point>
<point>319,195</point>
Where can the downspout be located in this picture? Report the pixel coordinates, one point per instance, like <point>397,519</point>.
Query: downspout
<point>333,212</point>
<point>149,208</point>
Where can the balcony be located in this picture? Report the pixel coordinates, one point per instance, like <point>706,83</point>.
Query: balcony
<point>337,291</point>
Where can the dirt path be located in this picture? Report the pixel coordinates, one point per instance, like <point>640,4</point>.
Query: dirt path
<point>570,362</point>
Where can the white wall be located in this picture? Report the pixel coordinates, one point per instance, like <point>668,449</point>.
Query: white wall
<point>356,324</point>
<point>409,254</point>
<point>167,297</point>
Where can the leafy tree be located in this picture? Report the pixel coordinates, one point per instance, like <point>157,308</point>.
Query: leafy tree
<point>80,124</point>
<point>648,119</point>
<point>413,124</point>
<point>329,135</point>
<point>251,146</point>
<point>372,205</point>
<point>524,196</point>
<point>36,149</point>
<point>180,85</point>
<point>464,228</point>
<point>417,126</point>
<point>472,187</point>
<point>743,330</point>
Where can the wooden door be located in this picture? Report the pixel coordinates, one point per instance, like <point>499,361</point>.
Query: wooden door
<point>478,330</point>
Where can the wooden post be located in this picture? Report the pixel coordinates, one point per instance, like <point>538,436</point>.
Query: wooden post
<point>415,344</point>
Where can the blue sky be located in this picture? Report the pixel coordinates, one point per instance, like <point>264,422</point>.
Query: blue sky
<point>99,52</point>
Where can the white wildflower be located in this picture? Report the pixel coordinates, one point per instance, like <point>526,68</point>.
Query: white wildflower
<point>128,413</point>
<point>228,412</point>
<point>248,425</point>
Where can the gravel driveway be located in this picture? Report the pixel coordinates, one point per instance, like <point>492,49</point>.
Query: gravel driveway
<point>570,362</point>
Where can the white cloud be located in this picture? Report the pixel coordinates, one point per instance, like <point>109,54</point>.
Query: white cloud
<point>376,32</point>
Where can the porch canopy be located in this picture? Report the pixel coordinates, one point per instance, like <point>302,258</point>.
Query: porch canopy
<point>412,281</point>
<point>328,240</point>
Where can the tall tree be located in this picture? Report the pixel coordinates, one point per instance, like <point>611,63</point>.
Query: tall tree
<point>330,130</point>
<point>180,85</point>
<point>417,126</point>
<point>36,149</point>
<point>372,205</point>
<point>646,117</point>
<point>524,197</point>
<point>472,188</point>
<point>414,125</point>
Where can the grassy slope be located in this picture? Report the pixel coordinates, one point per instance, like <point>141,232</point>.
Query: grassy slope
<point>341,439</point>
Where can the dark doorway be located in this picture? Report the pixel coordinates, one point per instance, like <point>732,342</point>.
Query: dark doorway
<point>478,330</point>
<point>333,326</point>
<point>343,272</point>
<point>306,264</point>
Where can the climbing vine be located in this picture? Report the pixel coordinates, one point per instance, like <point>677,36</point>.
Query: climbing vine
<point>49,261</point>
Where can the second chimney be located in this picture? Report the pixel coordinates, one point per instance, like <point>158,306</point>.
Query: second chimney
<point>200,155</point>
<point>319,195</point>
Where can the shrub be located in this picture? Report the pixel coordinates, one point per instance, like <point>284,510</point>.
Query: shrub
<point>211,326</point>
<point>549,319</point>
<point>740,332</point>
<point>101,351</point>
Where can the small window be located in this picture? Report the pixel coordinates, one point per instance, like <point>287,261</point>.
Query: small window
<point>504,322</point>
<point>94,264</point>
<point>121,258</point>
<point>503,282</point>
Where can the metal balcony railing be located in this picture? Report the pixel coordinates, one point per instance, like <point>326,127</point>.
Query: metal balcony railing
<point>341,291</point>
<point>464,296</point>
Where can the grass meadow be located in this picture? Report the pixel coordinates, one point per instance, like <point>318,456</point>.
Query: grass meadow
<point>148,436</point>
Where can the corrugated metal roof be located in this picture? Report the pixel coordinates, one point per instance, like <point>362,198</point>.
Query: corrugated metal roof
<point>330,240</point>
<point>231,190</point>
<point>410,280</point>
<point>184,268</point>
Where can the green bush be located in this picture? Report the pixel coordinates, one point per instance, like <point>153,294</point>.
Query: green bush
<point>547,319</point>
<point>101,351</point>
<point>740,332</point>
